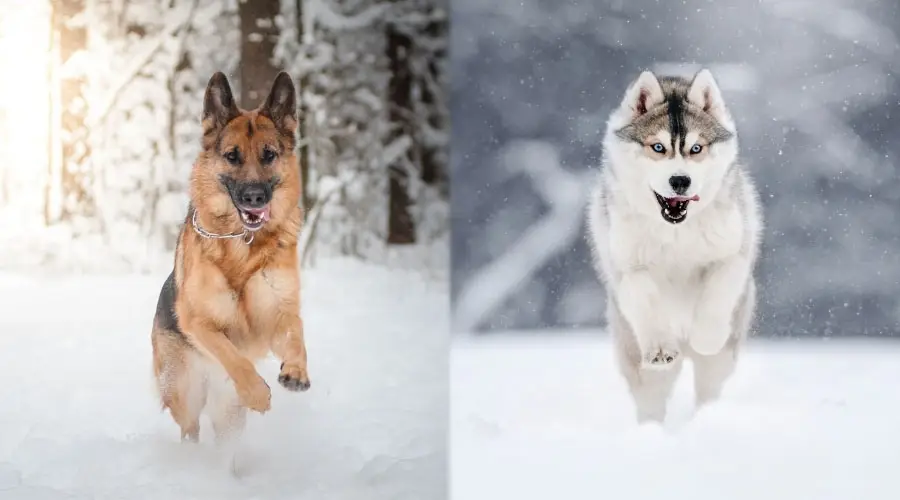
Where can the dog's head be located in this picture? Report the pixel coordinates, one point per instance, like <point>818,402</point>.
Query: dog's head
<point>247,175</point>
<point>671,142</point>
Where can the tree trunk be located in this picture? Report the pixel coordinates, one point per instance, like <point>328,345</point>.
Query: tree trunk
<point>303,155</point>
<point>69,192</point>
<point>401,227</point>
<point>259,34</point>
<point>432,171</point>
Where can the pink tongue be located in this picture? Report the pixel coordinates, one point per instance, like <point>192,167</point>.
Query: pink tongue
<point>677,199</point>
<point>262,213</point>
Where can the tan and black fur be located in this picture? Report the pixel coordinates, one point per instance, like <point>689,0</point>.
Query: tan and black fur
<point>228,303</point>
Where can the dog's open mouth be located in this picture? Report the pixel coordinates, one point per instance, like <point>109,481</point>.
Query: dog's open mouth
<point>674,209</point>
<point>253,219</point>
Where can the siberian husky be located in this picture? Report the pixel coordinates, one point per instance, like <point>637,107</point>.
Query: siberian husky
<point>674,224</point>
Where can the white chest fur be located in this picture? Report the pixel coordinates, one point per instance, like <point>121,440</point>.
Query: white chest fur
<point>675,251</point>
<point>676,258</point>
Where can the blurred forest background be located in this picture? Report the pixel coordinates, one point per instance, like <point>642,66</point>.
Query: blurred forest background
<point>100,104</point>
<point>814,86</point>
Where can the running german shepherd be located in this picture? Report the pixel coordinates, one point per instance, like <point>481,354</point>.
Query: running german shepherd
<point>234,293</point>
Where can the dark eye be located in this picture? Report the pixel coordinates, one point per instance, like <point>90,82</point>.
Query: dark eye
<point>268,155</point>
<point>696,148</point>
<point>233,157</point>
<point>658,147</point>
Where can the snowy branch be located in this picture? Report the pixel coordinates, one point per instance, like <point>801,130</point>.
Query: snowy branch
<point>406,16</point>
<point>328,17</point>
<point>844,23</point>
<point>98,113</point>
<point>565,193</point>
<point>395,150</point>
<point>409,19</point>
<point>308,232</point>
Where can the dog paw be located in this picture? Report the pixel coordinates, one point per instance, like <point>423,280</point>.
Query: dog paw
<point>190,434</point>
<point>256,395</point>
<point>708,337</point>
<point>293,378</point>
<point>661,357</point>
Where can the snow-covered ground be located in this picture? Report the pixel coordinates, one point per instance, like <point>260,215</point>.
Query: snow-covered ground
<point>79,418</point>
<point>535,417</point>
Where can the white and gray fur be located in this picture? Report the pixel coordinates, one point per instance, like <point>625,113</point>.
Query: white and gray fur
<point>675,288</point>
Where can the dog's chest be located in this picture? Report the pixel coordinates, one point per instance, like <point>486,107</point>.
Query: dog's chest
<point>682,249</point>
<point>264,294</point>
<point>262,300</point>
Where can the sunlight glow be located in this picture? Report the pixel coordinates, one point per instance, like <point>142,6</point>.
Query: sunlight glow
<point>24,107</point>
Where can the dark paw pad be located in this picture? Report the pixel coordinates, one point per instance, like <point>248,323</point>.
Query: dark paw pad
<point>661,358</point>
<point>293,379</point>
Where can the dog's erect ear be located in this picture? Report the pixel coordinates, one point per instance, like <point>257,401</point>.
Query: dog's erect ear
<point>218,103</point>
<point>281,105</point>
<point>643,94</point>
<point>704,93</point>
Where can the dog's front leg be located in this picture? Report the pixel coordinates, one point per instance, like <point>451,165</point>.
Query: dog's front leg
<point>208,309</point>
<point>289,345</point>
<point>723,285</point>
<point>252,389</point>
<point>291,349</point>
<point>640,301</point>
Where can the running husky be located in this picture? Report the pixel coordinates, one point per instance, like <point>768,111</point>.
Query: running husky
<point>675,224</point>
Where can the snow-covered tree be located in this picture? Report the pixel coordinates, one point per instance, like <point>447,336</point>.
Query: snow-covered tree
<point>357,137</point>
<point>69,194</point>
<point>127,81</point>
<point>138,53</point>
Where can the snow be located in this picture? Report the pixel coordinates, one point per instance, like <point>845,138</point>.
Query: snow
<point>80,418</point>
<point>540,417</point>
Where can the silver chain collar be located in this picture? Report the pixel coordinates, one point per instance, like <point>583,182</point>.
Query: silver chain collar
<point>246,235</point>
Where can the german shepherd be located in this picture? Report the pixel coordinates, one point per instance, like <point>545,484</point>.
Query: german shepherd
<point>234,292</point>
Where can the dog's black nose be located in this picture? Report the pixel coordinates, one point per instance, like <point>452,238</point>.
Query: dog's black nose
<point>254,196</point>
<point>680,183</point>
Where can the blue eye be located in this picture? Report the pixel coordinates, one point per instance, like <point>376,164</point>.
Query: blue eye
<point>659,148</point>
<point>696,148</point>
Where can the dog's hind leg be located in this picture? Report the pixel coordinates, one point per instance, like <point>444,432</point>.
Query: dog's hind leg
<point>711,372</point>
<point>228,417</point>
<point>224,408</point>
<point>181,382</point>
<point>650,387</point>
